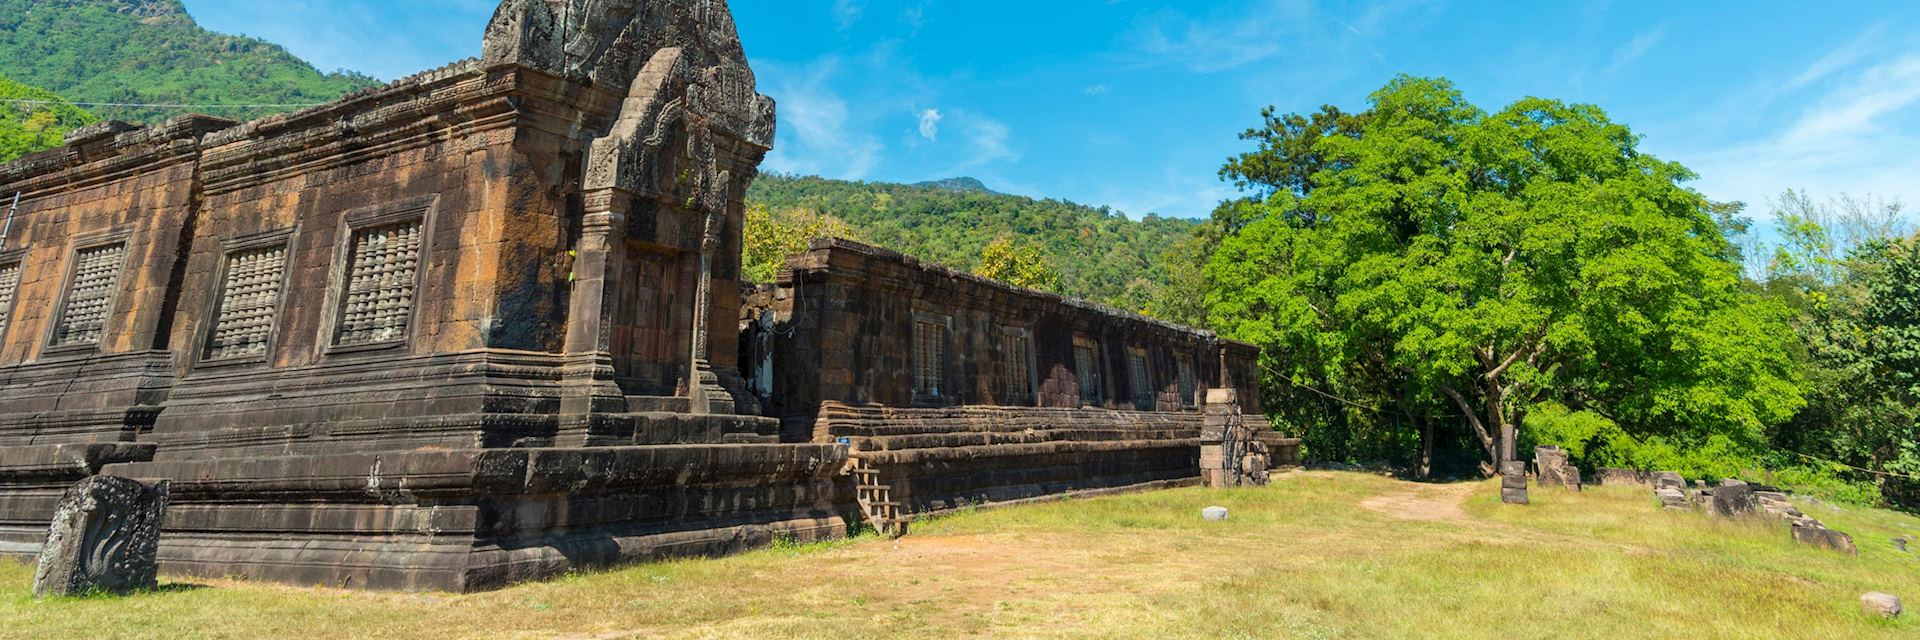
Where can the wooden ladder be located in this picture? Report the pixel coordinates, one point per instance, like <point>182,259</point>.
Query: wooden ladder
<point>876,500</point>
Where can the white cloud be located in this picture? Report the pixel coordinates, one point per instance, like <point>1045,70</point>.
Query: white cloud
<point>848,12</point>
<point>984,141</point>
<point>816,135</point>
<point>1840,59</point>
<point>930,124</point>
<point>1857,106</point>
<point>1857,137</point>
<point>1634,49</point>
<point>1260,30</point>
<point>1098,90</point>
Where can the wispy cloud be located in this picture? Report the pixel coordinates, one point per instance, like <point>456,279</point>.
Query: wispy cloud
<point>930,124</point>
<point>1854,136</point>
<point>1098,90</point>
<point>1255,31</point>
<point>1637,48</point>
<point>847,12</point>
<point>985,141</point>
<point>819,137</point>
<point>1857,107</point>
<point>1842,58</point>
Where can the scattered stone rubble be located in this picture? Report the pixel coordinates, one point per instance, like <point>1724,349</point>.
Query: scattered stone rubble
<point>1232,453</point>
<point>1733,499</point>
<point>1552,469</point>
<point>1513,482</point>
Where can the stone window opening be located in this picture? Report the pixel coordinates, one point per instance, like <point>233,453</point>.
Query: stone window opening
<point>1086,367</point>
<point>930,386</point>
<point>248,303</point>
<point>94,279</point>
<point>9,287</point>
<point>1017,367</point>
<point>381,277</point>
<point>1140,379</point>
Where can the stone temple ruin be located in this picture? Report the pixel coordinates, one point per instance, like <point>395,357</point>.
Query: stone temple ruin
<point>485,324</point>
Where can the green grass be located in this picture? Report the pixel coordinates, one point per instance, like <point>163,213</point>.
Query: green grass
<point>1318,555</point>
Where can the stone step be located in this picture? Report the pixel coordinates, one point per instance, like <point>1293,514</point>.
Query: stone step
<point>666,404</point>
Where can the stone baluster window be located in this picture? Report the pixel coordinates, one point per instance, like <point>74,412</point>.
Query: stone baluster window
<point>1187,383</point>
<point>1086,367</point>
<point>9,284</point>
<point>382,272</point>
<point>1017,367</point>
<point>1140,379</point>
<point>930,358</point>
<point>249,300</point>
<point>96,277</point>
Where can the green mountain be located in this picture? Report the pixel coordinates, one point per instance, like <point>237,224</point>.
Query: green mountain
<point>26,127</point>
<point>152,52</point>
<point>1099,253</point>
<point>957,184</point>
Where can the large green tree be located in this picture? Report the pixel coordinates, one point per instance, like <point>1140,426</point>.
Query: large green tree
<point>1436,255</point>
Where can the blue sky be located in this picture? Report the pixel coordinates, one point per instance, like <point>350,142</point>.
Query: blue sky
<point>1135,104</point>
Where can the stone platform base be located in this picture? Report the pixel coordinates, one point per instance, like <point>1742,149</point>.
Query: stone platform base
<point>935,460</point>
<point>32,479</point>
<point>474,520</point>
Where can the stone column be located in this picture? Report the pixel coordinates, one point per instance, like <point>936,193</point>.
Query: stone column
<point>1231,454</point>
<point>587,378</point>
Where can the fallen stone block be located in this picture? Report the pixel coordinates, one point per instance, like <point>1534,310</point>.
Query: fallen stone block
<point>1669,480</point>
<point>104,538</point>
<point>1821,536</point>
<point>1733,499</point>
<point>1885,605</point>
<point>1611,476</point>
<point>1214,514</point>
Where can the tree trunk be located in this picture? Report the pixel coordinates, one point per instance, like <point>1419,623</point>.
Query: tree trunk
<point>1488,441</point>
<point>1426,448</point>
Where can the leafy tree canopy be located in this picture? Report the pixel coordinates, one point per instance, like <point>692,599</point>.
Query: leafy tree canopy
<point>1018,263</point>
<point>1438,257</point>
<point>1098,253</point>
<point>26,127</point>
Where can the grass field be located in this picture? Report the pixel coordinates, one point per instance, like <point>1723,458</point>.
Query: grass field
<point>1317,555</point>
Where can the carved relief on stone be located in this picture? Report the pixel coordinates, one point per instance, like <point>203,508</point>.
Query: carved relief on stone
<point>104,537</point>
<point>608,41</point>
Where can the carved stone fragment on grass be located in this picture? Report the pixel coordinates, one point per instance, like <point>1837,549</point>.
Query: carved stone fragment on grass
<point>104,537</point>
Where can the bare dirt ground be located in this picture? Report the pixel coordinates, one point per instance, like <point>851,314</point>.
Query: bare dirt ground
<point>1424,502</point>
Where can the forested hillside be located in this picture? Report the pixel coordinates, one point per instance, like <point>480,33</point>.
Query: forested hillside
<point>152,52</point>
<point>1097,253</point>
<point>26,127</point>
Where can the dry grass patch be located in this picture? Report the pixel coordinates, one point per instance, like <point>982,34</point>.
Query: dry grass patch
<point>1315,556</point>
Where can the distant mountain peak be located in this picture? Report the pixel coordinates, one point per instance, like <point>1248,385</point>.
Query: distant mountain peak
<point>962,184</point>
<point>147,8</point>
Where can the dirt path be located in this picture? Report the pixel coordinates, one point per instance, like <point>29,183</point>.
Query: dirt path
<point>1429,502</point>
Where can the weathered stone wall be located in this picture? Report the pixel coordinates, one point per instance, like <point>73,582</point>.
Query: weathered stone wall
<point>373,340</point>
<point>124,201</point>
<point>938,459</point>
<point>849,313</point>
